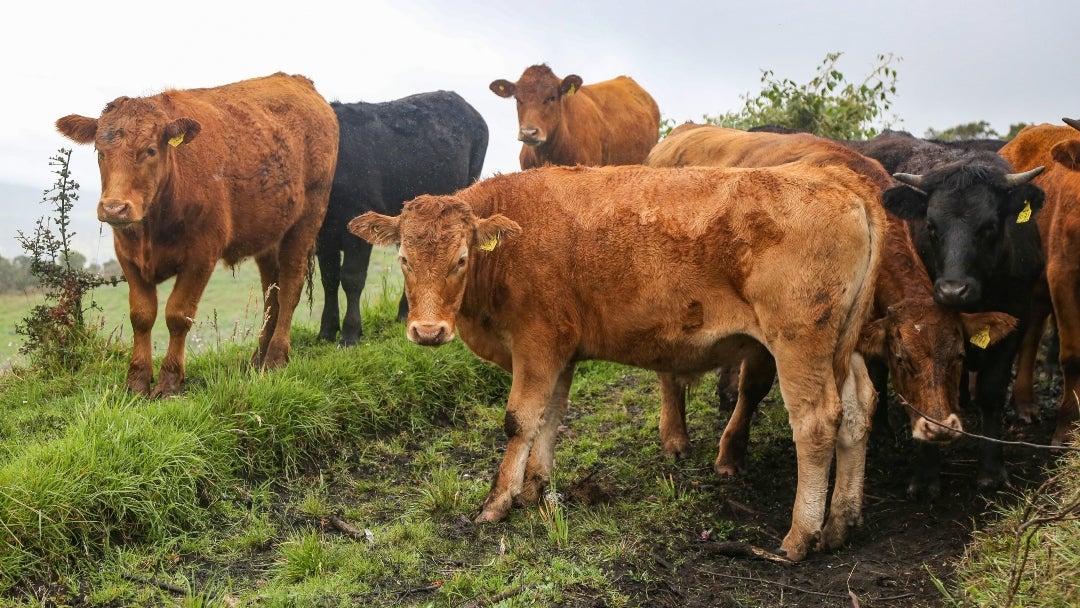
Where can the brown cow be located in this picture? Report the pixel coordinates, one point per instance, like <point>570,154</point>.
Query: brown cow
<point>562,122</point>
<point>676,270</point>
<point>190,177</point>
<point>921,342</point>
<point>1058,149</point>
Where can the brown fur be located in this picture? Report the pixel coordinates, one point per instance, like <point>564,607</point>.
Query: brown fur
<point>1058,149</point>
<point>250,178</point>
<point>921,342</point>
<point>676,270</point>
<point>563,122</point>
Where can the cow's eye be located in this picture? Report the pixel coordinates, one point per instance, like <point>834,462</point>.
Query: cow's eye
<point>931,230</point>
<point>151,151</point>
<point>551,99</point>
<point>987,231</point>
<point>404,264</point>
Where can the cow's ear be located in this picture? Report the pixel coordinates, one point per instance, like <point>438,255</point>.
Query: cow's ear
<point>1022,200</point>
<point>376,228</point>
<point>872,339</point>
<point>906,202</point>
<point>502,87</point>
<point>182,131</point>
<point>79,129</point>
<point>490,231</point>
<point>1067,153</point>
<point>985,328</point>
<point>570,85</point>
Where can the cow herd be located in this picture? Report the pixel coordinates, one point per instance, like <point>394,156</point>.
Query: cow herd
<point>836,268</point>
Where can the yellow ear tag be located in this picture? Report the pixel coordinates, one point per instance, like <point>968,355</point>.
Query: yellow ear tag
<point>176,141</point>
<point>490,244</point>
<point>571,91</point>
<point>1025,213</point>
<point>981,339</point>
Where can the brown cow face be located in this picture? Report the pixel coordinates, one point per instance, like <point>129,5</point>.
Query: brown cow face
<point>134,142</point>
<point>539,95</point>
<point>439,241</point>
<point>924,346</point>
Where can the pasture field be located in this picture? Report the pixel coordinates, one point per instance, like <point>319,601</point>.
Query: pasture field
<point>229,310</point>
<point>351,476</point>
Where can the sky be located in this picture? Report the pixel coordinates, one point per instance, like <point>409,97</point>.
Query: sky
<point>957,62</point>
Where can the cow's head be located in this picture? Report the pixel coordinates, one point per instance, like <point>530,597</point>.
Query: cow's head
<point>924,345</point>
<point>963,213</point>
<point>539,93</point>
<point>439,239</point>
<point>134,140</point>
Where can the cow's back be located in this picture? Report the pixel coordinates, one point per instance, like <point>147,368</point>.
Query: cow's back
<point>390,152</point>
<point>706,145</point>
<point>628,119</point>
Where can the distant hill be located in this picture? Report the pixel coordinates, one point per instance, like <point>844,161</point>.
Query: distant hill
<point>21,205</point>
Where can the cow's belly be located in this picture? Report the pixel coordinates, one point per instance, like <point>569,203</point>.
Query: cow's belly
<point>694,355</point>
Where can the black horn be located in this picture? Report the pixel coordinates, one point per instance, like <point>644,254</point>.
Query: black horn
<point>1072,122</point>
<point>1013,180</point>
<point>909,178</point>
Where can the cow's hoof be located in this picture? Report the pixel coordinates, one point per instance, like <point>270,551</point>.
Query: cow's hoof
<point>794,550</point>
<point>992,479</point>
<point>678,449</point>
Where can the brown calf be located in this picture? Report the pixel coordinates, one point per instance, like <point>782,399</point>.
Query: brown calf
<point>564,122</point>
<point>676,270</point>
<point>190,177</point>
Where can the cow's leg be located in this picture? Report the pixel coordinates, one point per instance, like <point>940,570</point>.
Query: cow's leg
<point>727,386</point>
<point>268,275</point>
<point>1023,390</point>
<point>858,399</point>
<point>542,456</point>
<point>926,476</point>
<point>991,386</point>
<point>755,382</point>
<point>536,375</point>
<point>142,301</point>
<point>179,316</point>
<point>1066,296</point>
<point>293,254</point>
<point>814,412</point>
<point>329,256</point>
<point>674,440</point>
<point>353,277</point>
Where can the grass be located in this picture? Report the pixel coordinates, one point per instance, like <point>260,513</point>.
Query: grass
<point>1031,556</point>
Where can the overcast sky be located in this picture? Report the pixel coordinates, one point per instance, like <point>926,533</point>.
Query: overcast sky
<point>958,62</point>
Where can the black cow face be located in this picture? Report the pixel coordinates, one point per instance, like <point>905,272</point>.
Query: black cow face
<point>963,230</point>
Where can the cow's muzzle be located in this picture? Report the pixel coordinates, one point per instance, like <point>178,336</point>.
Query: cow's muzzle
<point>531,136</point>
<point>937,431</point>
<point>426,333</point>
<point>115,212</point>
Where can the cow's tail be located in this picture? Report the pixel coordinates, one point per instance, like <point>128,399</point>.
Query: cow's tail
<point>862,302</point>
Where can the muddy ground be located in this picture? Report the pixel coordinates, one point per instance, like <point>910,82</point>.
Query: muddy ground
<point>890,561</point>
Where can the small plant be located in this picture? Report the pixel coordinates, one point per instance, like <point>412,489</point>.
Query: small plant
<point>55,330</point>
<point>668,488</point>
<point>553,513</point>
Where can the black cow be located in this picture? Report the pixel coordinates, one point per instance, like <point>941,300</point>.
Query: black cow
<point>972,221</point>
<point>389,153</point>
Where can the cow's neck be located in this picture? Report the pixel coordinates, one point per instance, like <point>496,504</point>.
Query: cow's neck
<point>902,273</point>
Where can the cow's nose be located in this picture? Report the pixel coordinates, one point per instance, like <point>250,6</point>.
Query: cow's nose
<point>953,293</point>
<point>429,333</point>
<point>113,211</point>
